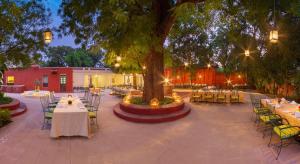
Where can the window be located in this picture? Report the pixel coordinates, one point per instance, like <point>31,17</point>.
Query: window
<point>45,81</point>
<point>63,79</point>
<point>10,80</point>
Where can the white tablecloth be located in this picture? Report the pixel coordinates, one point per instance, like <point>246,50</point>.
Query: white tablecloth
<point>285,110</point>
<point>70,120</point>
<point>36,94</point>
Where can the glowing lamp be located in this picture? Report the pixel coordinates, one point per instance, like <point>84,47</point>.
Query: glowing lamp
<point>47,36</point>
<point>144,67</point>
<point>178,99</point>
<point>186,64</point>
<point>228,81</point>
<point>200,76</point>
<point>117,65</point>
<point>178,77</point>
<point>239,76</point>
<point>208,65</point>
<point>247,53</point>
<point>166,80</point>
<point>273,36</point>
<point>154,103</point>
<point>126,99</point>
<point>118,58</point>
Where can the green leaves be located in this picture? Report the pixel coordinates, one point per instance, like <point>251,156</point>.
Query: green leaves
<point>21,28</point>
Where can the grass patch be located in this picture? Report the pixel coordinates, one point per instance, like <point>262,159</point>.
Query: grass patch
<point>139,101</point>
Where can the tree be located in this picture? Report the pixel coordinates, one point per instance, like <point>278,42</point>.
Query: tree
<point>55,56</point>
<point>79,58</point>
<point>127,28</point>
<point>21,27</point>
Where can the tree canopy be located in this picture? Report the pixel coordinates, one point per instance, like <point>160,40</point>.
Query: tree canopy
<point>21,31</point>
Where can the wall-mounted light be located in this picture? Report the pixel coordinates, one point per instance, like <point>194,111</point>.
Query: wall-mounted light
<point>208,65</point>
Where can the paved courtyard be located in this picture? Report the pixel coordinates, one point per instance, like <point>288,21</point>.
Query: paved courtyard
<point>211,133</point>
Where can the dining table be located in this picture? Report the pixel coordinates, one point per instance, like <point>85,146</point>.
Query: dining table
<point>70,118</point>
<point>288,110</point>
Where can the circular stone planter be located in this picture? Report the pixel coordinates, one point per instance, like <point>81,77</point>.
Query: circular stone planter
<point>147,114</point>
<point>15,104</point>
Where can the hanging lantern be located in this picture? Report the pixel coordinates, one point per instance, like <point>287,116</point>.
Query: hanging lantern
<point>118,58</point>
<point>247,53</point>
<point>47,36</point>
<point>274,36</point>
<point>117,65</point>
<point>154,103</point>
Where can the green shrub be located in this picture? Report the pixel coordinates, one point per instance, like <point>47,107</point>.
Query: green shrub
<point>5,117</point>
<point>4,100</point>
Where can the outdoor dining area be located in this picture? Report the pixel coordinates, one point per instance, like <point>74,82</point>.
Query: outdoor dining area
<point>70,115</point>
<point>277,117</point>
<point>215,96</point>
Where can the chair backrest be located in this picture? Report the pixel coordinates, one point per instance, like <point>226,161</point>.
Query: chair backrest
<point>44,102</point>
<point>96,103</point>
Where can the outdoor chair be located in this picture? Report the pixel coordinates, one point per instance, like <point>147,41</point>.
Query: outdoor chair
<point>195,96</point>
<point>235,97</point>
<point>285,132</point>
<point>208,97</point>
<point>93,109</point>
<point>267,121</point>
<point>47,112</point>
<point>221,97</point>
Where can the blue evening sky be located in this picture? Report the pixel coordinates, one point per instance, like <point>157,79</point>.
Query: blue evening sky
<point>56,20</point>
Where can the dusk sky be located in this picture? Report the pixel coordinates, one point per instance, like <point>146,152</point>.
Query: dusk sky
<point>56,20</point>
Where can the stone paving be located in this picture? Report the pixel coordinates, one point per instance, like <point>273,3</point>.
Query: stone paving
<point>211,133</point>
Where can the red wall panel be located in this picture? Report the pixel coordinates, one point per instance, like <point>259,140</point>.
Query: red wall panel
<point>207,76</point>
<point>28,76</point>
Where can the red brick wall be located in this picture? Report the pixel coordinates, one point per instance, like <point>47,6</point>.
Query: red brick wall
<point>28,76</point>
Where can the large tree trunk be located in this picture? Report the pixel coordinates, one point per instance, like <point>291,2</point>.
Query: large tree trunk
<point>153,79</point>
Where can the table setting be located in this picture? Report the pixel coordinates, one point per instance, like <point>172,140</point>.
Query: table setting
<point>70,118</point>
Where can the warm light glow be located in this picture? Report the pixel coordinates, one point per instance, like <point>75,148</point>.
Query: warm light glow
<point>166,80</point>
<point>200,76</point>
<point>117,65</point>
<point>47,36</point>
<point>178,77</point>
<point>228,81</point>
<point>154,103</point>
<point>239,76</point>
<point>10,80</point>
<point>176,98</point>
<point>273,36</point>
<point>126,99</point>
<point>247,53</point>
<point>144,67</point>
<point>118,58</point>
<point>208,65</point>
<point>186,64</point>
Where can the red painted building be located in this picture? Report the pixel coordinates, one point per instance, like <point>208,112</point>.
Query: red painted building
<point>58,79</point>
<point>208,76</point>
